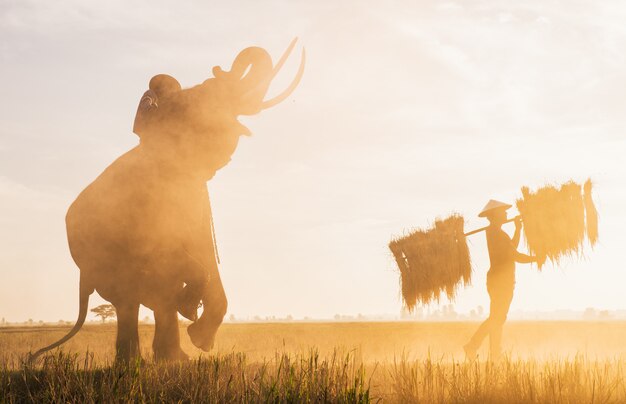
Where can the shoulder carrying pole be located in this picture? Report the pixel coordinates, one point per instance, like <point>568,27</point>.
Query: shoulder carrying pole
<point>469,233</point>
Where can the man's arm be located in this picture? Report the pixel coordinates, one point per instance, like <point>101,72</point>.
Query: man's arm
<point>524,258</point>
<point>527,259</point>
<point>512,245</point>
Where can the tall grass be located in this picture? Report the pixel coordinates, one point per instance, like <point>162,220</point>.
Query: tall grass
<point>351,362</point>
<point>578,380</point>
<point>311,378</point>
<point>228,378</point>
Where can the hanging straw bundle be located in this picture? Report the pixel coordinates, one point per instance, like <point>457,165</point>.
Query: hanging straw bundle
<point>432,261</point>
<point>556,220</point>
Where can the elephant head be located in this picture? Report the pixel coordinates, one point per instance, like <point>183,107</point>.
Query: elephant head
<point>196,129</point>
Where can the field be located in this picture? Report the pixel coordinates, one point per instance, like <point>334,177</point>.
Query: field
<point>328,362</point>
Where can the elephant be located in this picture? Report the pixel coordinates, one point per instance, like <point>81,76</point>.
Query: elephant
<point>143,227</point>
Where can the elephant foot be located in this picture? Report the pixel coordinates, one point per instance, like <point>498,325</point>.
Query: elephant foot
<point>166,343</point>
<point>201,337</point>
<point>171,355</point>
<point>182,356</point>
<point>125,360</point>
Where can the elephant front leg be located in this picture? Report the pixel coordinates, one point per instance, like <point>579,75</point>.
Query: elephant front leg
<point>166,343</point>
<point>202,332</point>
<point>189,298</point>
<point>127,343</point>
<point>196,276</point>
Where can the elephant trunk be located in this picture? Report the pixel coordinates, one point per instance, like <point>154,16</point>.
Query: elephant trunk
<point>252,73</point>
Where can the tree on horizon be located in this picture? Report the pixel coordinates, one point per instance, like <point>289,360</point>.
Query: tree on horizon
<point>105,311</point>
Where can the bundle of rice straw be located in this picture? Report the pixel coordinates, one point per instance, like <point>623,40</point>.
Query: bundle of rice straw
<point>557,220</point>
<point>432,261</point>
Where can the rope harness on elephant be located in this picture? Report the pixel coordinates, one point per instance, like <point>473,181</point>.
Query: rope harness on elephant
<point>217,254</point>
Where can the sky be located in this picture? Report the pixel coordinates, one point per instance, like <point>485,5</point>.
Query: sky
<point>407,111</point>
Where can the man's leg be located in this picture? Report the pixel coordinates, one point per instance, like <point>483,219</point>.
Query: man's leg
<point>484,329</point>
<point>477,339</point>
<point>502,296</point>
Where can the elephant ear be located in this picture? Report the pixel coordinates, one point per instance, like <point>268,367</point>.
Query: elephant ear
<point>161,86</point>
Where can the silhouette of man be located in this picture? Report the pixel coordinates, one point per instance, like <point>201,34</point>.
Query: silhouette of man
<point>503,255</point>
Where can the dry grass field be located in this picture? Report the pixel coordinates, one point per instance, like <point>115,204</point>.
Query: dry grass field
<point>328,362</point>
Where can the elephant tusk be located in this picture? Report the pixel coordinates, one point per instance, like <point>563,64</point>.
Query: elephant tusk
<point>283,58</point>
<point>282,96</point>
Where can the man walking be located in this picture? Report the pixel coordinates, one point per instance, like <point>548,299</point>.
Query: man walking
<point>503,255</point>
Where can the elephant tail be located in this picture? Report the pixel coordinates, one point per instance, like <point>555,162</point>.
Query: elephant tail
<point>84,293</point>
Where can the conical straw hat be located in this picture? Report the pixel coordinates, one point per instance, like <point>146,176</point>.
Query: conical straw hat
<point>491,205</point>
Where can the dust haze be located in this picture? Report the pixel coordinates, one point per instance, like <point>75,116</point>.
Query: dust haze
<point>237,194</point>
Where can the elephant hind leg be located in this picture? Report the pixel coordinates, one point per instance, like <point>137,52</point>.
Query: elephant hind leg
<point>127,343</point>
<point>166,344</point>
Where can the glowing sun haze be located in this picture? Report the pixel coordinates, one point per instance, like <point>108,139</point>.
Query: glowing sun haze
<point>406,112</point>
